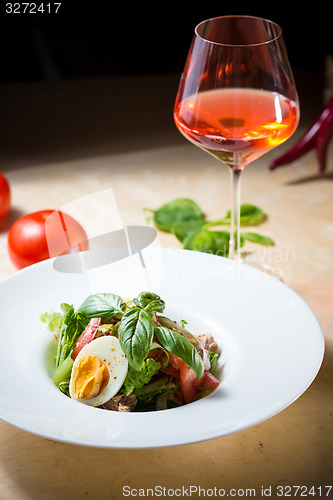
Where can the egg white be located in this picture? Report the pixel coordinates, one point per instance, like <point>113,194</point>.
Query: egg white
<point>108,349</point>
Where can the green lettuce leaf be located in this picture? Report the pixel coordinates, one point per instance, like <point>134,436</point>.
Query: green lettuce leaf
<point>53,320</point>
<point>162,385</point>
<point>136,379</point>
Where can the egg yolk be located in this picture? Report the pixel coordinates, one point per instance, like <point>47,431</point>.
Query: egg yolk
<point>90,376</point>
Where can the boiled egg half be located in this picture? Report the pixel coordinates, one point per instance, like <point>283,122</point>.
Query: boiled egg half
<point>98,372</point>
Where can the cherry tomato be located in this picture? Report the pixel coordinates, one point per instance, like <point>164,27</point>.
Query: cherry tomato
<point>5,196</point>
<point>40,235</point>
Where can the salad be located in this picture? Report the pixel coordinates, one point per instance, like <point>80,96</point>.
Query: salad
<point>128,356</point>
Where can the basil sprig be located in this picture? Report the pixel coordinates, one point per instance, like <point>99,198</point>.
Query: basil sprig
<point>136,332</point>
<point>185,219</point>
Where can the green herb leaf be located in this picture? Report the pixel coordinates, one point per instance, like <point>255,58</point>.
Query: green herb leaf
<point>162,385</point>
<point>136,379</point>
<point>135,333</point>
<point>184,228</point>
<point>180,209</point>
<point>184,218</point>
<point>213,358</point>
<point>250,215</point>
<point>258,238</point>
<point>181,347</point>
<point>73,325</point>
<point>150,301</point>
<point>204,240</point>
<point>63,372</point>
<point>53,320</point>
<point>106,329</point>
<point>163,357</point>
<point>177,327</point>
<point>103,305</point>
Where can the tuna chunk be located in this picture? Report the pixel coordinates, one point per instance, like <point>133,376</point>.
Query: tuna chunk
<point>121,403</point>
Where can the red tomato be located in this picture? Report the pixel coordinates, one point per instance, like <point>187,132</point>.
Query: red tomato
<point>174,368</point>
<point>86,336</point>
<point>44,234</point>
<point>189,386</point>
<point>192,389</point>
<point>5,196</point>
<point>187,378</point>
<point>207,382</point>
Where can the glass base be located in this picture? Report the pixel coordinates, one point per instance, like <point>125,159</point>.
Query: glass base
<point>249,258</point>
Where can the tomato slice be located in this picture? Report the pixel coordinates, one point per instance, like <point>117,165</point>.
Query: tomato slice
<point>207,382</point>
<point>86,336</point>
<point>176,362</point>
<point>170,370</point>
<point>189,386</point>
<point>174,368</point>
<point>187,379</point>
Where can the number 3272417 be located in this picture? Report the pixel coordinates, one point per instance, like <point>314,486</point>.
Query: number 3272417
<point>32,8</point>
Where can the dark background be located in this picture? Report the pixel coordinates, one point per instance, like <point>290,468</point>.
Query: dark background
<point>95,38</point>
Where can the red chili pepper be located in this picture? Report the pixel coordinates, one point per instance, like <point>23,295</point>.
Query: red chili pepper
<point>323,139</point>
<point>317,137</point>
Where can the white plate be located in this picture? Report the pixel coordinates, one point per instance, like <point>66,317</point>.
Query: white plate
<point>272,346</point>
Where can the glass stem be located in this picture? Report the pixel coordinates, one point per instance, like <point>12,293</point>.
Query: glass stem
<point>234,243</point>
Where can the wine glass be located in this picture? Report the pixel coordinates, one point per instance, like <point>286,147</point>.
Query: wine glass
<point>237,97</point>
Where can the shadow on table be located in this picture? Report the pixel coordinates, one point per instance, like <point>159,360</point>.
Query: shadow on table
<point>312,178</point>
<point>13,215</point>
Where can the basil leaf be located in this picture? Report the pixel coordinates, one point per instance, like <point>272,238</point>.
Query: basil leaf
<point>204,240</point>
<point>258,238</point>
<point>156,305</point>
<point>135,333</point>
<point>150,301</point>
<point>177,327</point>
<point>250,215</point>
<point>180,209</point>
<point>184,228</point>
<point>103,305</point>
<point>181,347</point>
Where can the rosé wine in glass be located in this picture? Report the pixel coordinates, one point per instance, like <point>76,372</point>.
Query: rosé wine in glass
<point>237,98</point>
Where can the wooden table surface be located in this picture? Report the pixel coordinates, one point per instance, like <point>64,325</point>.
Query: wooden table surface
<point>62,140</point>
